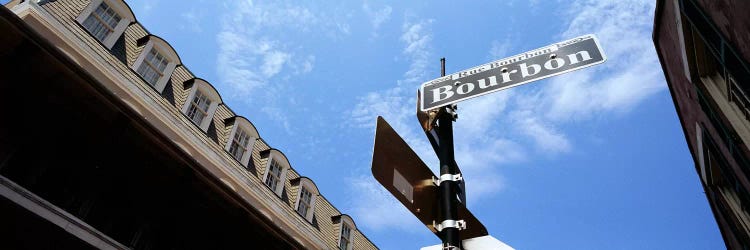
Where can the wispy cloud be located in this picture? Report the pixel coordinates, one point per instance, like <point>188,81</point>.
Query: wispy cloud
<point>626,79</point>
<point>500,49</point>
<point>255,49</point>
<point>192,20</point>
<point>377,17</point>
<point>248,56</point>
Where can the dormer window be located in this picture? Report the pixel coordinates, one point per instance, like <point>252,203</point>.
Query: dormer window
<point>106,20</point>
<point>346,231</point>
<point>152,68</point>
<point>275,174</point>
<point>201,103</point>
<point>305,203</point>
<point>156,62</point>
<point>241,139</point>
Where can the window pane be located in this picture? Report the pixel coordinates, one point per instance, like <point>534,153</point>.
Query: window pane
<point>150,56</point>
<point>235,151</point>
<point>152,67</point>
<point>344,241</point>
<point>302,210</point>
<point>304,202</point>
<point>274,175</point>
<point>239,144</point>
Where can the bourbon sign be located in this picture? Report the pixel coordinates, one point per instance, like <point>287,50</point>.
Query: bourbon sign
<point>552,60</point>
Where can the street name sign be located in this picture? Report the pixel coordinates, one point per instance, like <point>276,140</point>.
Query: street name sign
<point>552,60</point>
<point>398,168</point>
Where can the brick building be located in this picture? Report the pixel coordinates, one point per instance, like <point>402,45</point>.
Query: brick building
<point>108,141</point>
<point>704,50</point>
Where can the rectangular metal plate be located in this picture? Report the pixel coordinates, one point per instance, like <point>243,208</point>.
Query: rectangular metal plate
<point>403,186</point>
<point>392,156</point>
<point>552,60</point>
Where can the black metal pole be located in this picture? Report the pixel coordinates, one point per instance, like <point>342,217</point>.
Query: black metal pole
<point>448,189</point>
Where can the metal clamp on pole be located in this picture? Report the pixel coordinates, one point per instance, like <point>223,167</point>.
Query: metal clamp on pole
<point>459,224</point>
<point>447,177</point>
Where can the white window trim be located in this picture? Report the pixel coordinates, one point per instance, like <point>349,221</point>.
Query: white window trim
<point>681,36</point>
<point>310,187</point>
<point>346,221</point>
<point>284,168</point>
<point>249,149</point>
<point>119,8</point>
<point>167,74</point>
<point>210,93</point>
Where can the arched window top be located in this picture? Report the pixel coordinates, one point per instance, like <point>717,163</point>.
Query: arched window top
<point>278,156</point>
<point>309,185</point>
<point>123,9</point>
<point>206,88</point>
<point>345,218</point>
<point>245,124</point>
<point>162,46</point>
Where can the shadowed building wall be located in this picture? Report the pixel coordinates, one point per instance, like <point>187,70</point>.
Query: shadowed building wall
<point>704,49</point>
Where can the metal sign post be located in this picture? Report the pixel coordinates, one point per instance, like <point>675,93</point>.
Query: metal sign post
<point>450,224</point>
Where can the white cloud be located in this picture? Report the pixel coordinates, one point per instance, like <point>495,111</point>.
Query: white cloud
<point>378,17</point>
<point>626,79</point>
<point>256,48</point>
<point>273,61</point>
<point>544,134</point>
<point>499,49</point>
<point>192,20</point>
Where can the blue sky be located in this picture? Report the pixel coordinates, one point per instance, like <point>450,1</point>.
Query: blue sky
<point>594,159</point>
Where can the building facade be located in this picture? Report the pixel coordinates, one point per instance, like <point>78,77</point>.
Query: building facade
<point>704,50</point>
<point>108,141</point>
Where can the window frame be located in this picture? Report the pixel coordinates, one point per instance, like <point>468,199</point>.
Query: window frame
<point>240,123</point>
<point>197,107</point>
<point>283,162</point>
<point>196,85</point>
<point>307,184</point>
<point>120,8</point>
<point>165,50</point>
